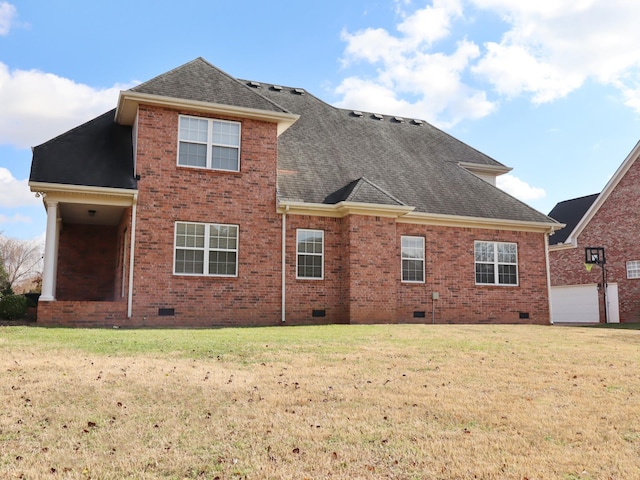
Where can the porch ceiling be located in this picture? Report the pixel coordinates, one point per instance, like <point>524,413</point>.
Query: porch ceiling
<point>81,213</point>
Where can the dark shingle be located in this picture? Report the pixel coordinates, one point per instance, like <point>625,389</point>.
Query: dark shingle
<point>98,153</point>
<point>199,80</point>
<point>417,164</point>
<point>570,212</point>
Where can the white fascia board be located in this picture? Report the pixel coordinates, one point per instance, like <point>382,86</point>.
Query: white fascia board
<point>572,239</point>
<point>407,214</point>
<point>84,194</point>
<point>342,209</point>
<point>561,246</point>
<point>129,101</point>
<point>480,168</point>
<point>479,222</point>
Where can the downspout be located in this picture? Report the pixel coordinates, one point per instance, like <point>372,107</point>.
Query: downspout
<point>546,254</point>
<point>131,254</point>
<point>284,263</point>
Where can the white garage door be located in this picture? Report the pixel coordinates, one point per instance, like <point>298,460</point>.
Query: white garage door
<point>575,304</point>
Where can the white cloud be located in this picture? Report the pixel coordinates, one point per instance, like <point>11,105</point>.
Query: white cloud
<point>15,193</point>
<point>519,188</point>
<point>7,14</point>
<point>548,48</point>
<point>17,218</point>
<point>410,79</point>
<point>551,48</point>
<point>37,106</point>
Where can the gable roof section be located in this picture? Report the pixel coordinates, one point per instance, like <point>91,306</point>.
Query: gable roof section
<point>412,162</point>
<point>572,238</point>
<point>200,87</point>
<point>98,153</point>
<point>362,191</point>
<point>570,212</point>
<point>200,81</point>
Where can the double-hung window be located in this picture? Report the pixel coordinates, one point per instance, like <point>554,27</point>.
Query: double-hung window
<point>209,143</point>
<point>633,269</point>
<point>206,249</point>
<point>310,254</point>
<point>496,263</point>
<point>412,252</point>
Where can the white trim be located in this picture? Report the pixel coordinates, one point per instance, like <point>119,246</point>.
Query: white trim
<point>63,189</point>
<point>284,265</point>
<point>129,101</point>
<point>402,280</point>
<point>407,214</point>
<point>132,256</point>
<point>313,254</point>
<point>209,143</point>
<point>50,253</point>
<point>602,197</point>
<point>206,249</point>
<point>548,265</point>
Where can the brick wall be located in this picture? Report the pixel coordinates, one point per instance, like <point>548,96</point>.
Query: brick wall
<point>615,227</point>
<point>169,193</point>
<point>81,314</point>
<point>87,259</point>
<point>329,294</point>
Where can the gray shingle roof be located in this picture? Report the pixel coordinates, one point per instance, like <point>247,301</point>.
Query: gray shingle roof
<point>98,153</point>
<point>327,156</point>
<point>570,212</point>
<point>199,80</point>
<point>414,163</point>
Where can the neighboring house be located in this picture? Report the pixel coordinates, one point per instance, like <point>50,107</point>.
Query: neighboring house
<point>205,200</point>
<point>608,220</point>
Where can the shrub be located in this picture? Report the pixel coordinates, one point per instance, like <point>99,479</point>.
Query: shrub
<point>13,307</point>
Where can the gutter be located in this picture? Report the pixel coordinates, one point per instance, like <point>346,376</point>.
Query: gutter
<point>131,254</point>
<point>284,263</point>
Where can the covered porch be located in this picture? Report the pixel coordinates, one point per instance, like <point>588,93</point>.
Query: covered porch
<point>88,264</point>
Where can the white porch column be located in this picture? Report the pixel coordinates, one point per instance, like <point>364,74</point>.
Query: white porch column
<point>50,253</point>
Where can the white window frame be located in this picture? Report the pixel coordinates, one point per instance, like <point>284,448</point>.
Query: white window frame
<point>496,263</point>
<point>311,254</point>
<point>206,249</point>
<point>210,143</point>
<point>633,269</point>
<point>406,249</point>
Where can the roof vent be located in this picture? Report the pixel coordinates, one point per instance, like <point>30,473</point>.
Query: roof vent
<point>277,88</point>
<point>254,84</point>
<point>356,113</point>
<point>377,116</point>
<point>298,91</point>
<point>418,122</point>
<point>398,119</point>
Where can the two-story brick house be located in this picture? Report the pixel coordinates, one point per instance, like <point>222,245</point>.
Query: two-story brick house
<point>206,200</point>
<point>607,220</point>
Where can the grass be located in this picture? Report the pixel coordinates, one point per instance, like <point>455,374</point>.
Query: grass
<point>368,402</point>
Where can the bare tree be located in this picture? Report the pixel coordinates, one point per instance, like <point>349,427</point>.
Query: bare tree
<point>22,259</point>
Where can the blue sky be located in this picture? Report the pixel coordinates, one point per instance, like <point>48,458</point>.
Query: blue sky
<point>550,88</point>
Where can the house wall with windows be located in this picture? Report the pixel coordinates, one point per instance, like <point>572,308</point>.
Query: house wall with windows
<point>236,197</point>
<point>614,226</point>
<point>171,195</point>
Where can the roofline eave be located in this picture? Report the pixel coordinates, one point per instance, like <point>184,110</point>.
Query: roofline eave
<point>407,214</point>
<point>128,103</point>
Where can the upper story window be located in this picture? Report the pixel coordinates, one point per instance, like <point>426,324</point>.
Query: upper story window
<point>496,263</point>
<point>633,269</point>
<point>209,143</point>
<point>412,259</point>
<point>206,249</point>
<point>310,254</point>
